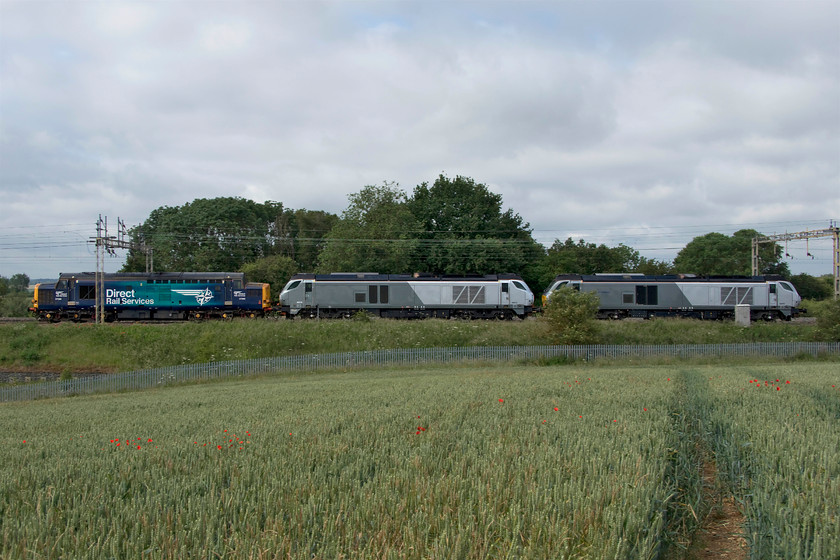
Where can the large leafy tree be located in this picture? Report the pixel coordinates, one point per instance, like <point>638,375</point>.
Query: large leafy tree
<point>716,254</point>
<point>19,282</point>
<point>218,234</point>
<point>376,233</point>
<point>813,287</point>
<point>310,228</point>
<point>274,270</point>
<point>464,230</point>
<point>570,257</point>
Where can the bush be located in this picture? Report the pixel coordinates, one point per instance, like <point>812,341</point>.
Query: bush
<point>570,316</point>
<point>15,304</point>
<point>828,322</point>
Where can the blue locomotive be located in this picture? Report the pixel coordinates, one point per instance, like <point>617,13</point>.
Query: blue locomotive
<point>139,296</point>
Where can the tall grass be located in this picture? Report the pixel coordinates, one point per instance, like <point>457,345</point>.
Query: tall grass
<point>126,346</point>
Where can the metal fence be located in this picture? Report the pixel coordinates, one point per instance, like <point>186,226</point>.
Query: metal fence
<point>163,376</point>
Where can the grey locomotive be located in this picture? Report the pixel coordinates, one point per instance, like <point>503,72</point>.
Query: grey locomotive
<point>501,296</point>
<point>637,295</point>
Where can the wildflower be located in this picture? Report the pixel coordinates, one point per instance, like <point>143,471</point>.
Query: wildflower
<point>501,400</point>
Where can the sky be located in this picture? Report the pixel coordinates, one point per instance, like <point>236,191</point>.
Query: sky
<point>645,123</point>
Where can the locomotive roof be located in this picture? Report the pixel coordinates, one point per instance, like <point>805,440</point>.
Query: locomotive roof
<point>152,275</point>
<point>422,277</point>
<point>635,277</point>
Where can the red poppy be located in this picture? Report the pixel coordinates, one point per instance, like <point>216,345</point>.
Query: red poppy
<point>778,388</point>
<point>788,382</point>
<point>556,408</point>
<point>501,400</point>
<point>219,446</point>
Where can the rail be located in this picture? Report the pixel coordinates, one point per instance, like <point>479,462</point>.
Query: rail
<point>173,375</point>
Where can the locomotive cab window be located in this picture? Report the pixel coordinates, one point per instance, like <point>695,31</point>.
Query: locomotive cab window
<point>383,294</point>
<point>505,287</point>
<point>627,297</point>
<point>372,293</point>
<point>772,288</point>
<point>360,297</point>
<point>87,292</point>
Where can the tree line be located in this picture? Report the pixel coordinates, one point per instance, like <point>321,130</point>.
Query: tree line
<point>452,226</point>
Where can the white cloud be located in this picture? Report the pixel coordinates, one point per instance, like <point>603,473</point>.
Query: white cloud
<point>588,119</point>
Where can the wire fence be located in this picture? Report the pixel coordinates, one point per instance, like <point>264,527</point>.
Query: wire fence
<point>173,375</point>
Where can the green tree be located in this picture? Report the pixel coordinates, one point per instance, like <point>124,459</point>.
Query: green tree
<point>310,228</point>
<point>465,230</point>
<point>716,254</point>
<point>207,234</point>
<point>4,285</point>
<point>653,267</point>
<point>812,287</point>
<point>274,269</point>
<point>828,322</point>
<point>569,257</point>
<point>19,283</point>
<point>570,316</point>
<point>376,233</point>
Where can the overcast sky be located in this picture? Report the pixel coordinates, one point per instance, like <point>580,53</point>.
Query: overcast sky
<point>638,122</point>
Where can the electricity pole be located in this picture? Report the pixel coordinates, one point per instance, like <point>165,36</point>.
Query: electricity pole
<point>832,231</point>
<point>108,244</point>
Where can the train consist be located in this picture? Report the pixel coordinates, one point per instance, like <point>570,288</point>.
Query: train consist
<point>502,296</point>
<point>637,295</point>
<point>140,296</point>
<point>136,296</point>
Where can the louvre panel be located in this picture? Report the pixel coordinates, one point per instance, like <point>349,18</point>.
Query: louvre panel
<point>745,296</point>
<point>460,294</point>
<point>468,294</point>
<point>727,296</point>
<point>476,294</point>
<point>736,295</point>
